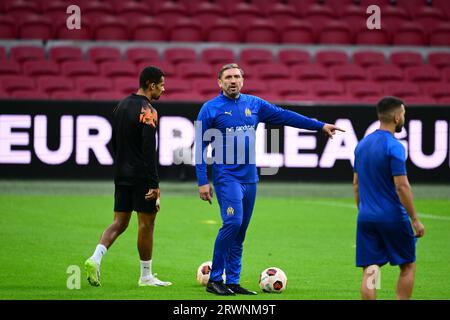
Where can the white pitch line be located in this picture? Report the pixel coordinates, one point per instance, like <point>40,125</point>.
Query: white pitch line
<point>353,206</point>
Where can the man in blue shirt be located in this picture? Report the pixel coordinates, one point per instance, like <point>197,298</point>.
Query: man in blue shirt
<point>229,123</point>
<point>384,200</point>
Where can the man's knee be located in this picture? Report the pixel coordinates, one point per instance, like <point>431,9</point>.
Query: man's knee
<point>407,268</point>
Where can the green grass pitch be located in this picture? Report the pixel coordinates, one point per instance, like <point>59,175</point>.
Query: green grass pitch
<point>308,230</point>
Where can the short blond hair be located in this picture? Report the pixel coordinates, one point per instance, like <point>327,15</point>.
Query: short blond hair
<point>228,67</point>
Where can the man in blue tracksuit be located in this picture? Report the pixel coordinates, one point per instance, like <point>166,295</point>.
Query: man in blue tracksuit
<point>229,123</point>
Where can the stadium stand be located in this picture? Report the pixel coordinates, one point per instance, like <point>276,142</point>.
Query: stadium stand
<point>324,43</point>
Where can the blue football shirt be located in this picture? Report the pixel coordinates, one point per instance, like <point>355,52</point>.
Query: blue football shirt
<point>378,158</point>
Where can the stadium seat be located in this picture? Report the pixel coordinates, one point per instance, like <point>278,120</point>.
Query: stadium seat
<point>185,97</point>
<point>362,90</point>
<point>437,90</point>
<point>79,68</point>
<point>107,96</point>
<point>224,30</point>
<point>319,15</point>
<point>261,31</point>
<point>170,12</point>
<point>52,84</point>
<point>440,35</point>
<point>402,89</point>
<point>310,72</point>
<point>2,54</point>
<point>244,14</point>
<point>292,57</point>
<point>252,56</point>
<point>281,14</point>
<point>126,85</point>
<point>444,5</point>
<point>271,71</point>
<point>409,33</point>
<point>429,17</point>
<point>115,69</point>
<point>286,87</point>
<point>228,5</point>
<point>8,67</point>
<point>271,97</point>
<point>444,101</point>
<point>336,32</point>
<point>329,58</point>
<point>7,27</point>
<point>419,100</point>
<point>55,10</point>
<point>29,95</point>
<point>103,54</point>
<point>69,95</point>
<point>168,68</point>
<point>206,87</point>
<point>195,70</point>
<point>177,85</point>
<point>40,68</point>
<point>372,37</point>
<point>405,59</point>
<point>65,53</point>
<point>250,71</point>
<point>446,74</point>
<point>207,13</point>
<point>20,8</point>
<point>327,88</point>
<point>393,18</point>
<point>3,94</point>
<point>422,74</point>
<point>178,55</point>
<point>217,55</point>
<point>132,11</point>
<point>93,84</point>
<point>84,33</point>
<point>298,32</point>
<point>439,59</point>
<point>386,73</point>
<point>13,83</point>
<point>255,87</point>
<point>355,16</point>
<point>186,30</point>
<point>36,27</point>
<point>96,10</point>
<point>148,29</point>
<point>110,28</point>
<point>25,53</point>
<point>141,54</point>
<point>349,72</point>
<point>368,58</point>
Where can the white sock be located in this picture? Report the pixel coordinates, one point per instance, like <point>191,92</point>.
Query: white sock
<point>146,269</point>
<point>100,250</point>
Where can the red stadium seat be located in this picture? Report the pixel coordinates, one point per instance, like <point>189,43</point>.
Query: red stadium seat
<point>419,100</point>
<point>93,84</point>
<point>444,101</point>
<point>3,94</point>
<point>402,89</point>
<point>2,53</point>
<point>170,12</point>
<point>79,68</point>
<point>177,86</point>
<point>252,56</point>
<point>439,59</point>
<point>244,14</point>
<point>367,89</point>
<point>70,95</point>
<point>186,30</point>
<point>218,55</point>
<point>132,11</point>
<point>422,74</point>
<point>336,32</point>
<point>386,73</point>
<point>168,68</point>
<point>273,71</point>
<point>444,5</point>
<point>437,90</point>
<point>284,87</point>
<point>429,17</point>
<point>446,74</point>
<point>228,5</point>
<point>40,68</point>
<point>224,30</point>
<point>292,57</point>
<point>298,32</point>
<point>271,97</point>
<point>36,27</point>
<point>52,84</point>
<point>107,96</point>
<point>126,85</point>
<point>405,59</point>
<point>255,87</point>
<point>409,33</point>
<point>115,69</point>
<point>9,68</point>
<point>368,58</point>
<point>319,15</point>
<point>25,53</point>
<point>20,8</point>
<point>372,37</point>
<point>348,72</point>
<point>65,53</point>
<point>195,70</point>
<point>327,88</point>
<point>178,55</point>
<point>29,95</point>
<point>206,87</point>
<point>103,54</point>
<point>110,28</point>
<point>96,10</point>
<point>207,13</point>
<point>261,31</point>
<point>310,72</point>
<point>355,16</point>
<point>281,14</point>
<point>339,6</point>
<point>62,32</point>
<point>148,29</point>
<point>393,18</point>
<point>7,27</point>
<point>138,55</point>
<point>329,58</point>
<point>13,83</point>
<point>440,36</point>
<point>185,96</point>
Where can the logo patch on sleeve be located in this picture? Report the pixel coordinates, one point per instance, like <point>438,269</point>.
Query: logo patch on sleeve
<point>148,116</point>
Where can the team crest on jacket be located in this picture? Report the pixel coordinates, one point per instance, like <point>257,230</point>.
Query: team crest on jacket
<point>230,211</point>
<point>248,112</point>
<point>148,115</point>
